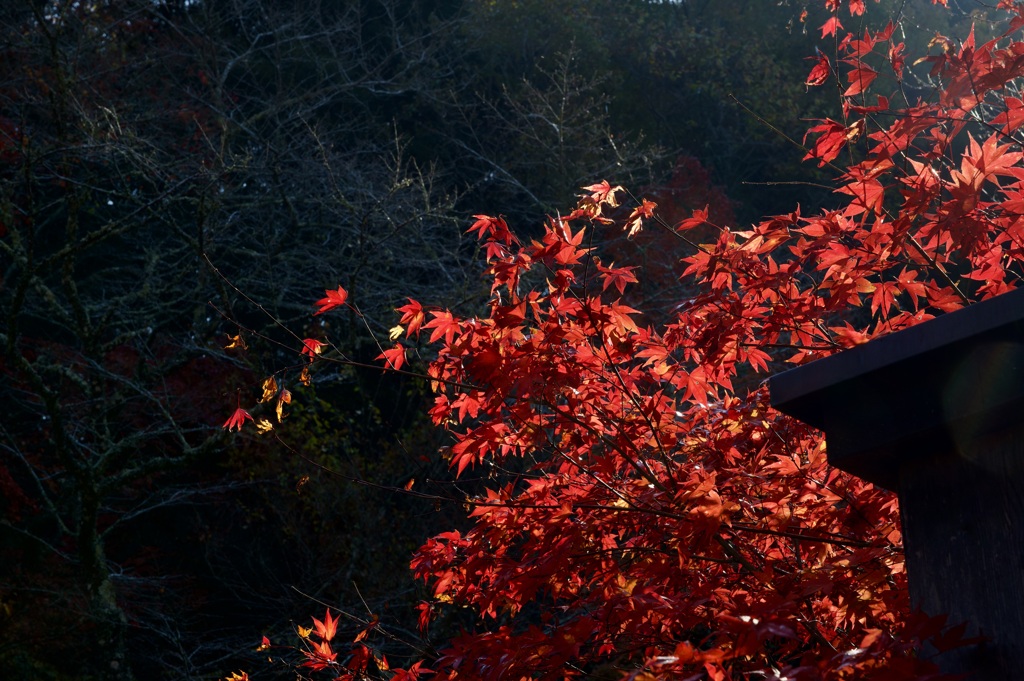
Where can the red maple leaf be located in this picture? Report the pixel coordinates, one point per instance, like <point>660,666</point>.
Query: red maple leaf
<point>860,78</point>
<point>412,317</point>
<point>832,137</point>
<point>830,27</point>
<point>444,325</point>
<point>326,629</point>
<point>492,228</point>
<point>617,277</point>
<point>603,192</point>
<point>312,347</point>
<point>331,300</point>
<point>820,73</point>
<point>394,357</point>
<point>238,417</point>
<point>321,656</point>
<point>413,673</point>
<point>698,218</point>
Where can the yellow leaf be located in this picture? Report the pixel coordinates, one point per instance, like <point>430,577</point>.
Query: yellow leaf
<point>627,585</point>
<point>236,342</point>
<point>264,426</point>
<point>304,632</point>
<point>269,389</point>
<point>304,376</point>
<point>855,130</point>
<point>396,332</point>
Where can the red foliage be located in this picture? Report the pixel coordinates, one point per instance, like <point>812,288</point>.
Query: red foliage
<point>331,300</point>
<point>662,518</point>
<point>395,356</point>
<point>238,417</point>
<point>821,71</point>
<point>691,204</point>
<point>312,347</point>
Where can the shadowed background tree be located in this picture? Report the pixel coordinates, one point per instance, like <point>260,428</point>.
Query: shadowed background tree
<point>144,145</point>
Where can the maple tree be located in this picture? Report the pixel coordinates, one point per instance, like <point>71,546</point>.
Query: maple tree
<point>640,509</point>
<point>145,142</point>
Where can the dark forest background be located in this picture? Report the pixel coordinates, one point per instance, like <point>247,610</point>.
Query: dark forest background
<point>171,171</point>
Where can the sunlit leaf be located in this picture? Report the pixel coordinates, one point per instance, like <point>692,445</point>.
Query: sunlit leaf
<point>331,300</point>
<point>269,389</point>
<point>394,357</point>
<point>237,419</point>
<point>236,342</point>
<point>284,397</point>
<point>312,347</point>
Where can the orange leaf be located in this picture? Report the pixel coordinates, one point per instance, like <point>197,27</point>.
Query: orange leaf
<point>285,397</point>
<point>236,342</point>
<point>370,627</point>
<point>269,389</point>
<point>327,628</point>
